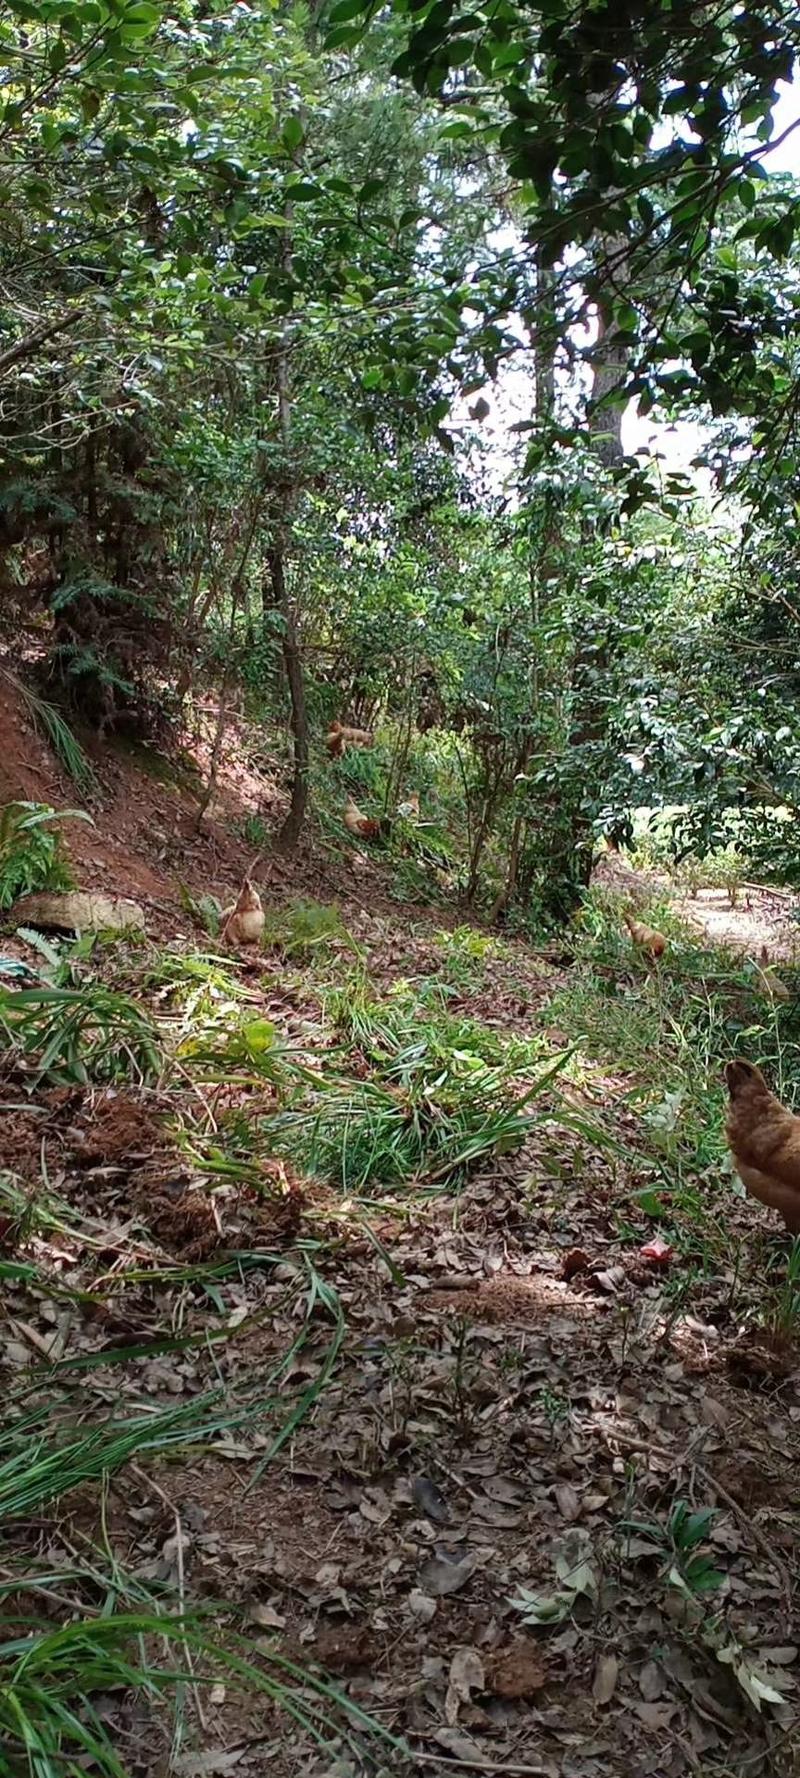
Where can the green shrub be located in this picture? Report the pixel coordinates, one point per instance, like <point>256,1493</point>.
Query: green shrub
<point>31,855</point>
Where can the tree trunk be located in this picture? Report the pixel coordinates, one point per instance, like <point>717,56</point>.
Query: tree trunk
<point>482,832</point>
<point>506,895</point>
<point>282,595</point>
<point>608,359</point>
<point>295,679</point>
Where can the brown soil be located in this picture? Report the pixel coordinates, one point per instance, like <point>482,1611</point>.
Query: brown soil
<point>515,1384</point>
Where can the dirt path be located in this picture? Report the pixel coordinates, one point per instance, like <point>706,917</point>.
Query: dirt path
<point>762,916</point>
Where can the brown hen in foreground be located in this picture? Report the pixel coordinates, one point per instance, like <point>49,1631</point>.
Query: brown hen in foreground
<point>764,1139</point>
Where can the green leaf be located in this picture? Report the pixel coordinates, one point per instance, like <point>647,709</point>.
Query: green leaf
<point>293,133</point>
<point>303,191</point>
<point>347,9</point>
<point>260,1036</point>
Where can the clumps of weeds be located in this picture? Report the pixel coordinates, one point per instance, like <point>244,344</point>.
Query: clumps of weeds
<point>228,1045</point>
<point>676,1543</point>
<point>307,929</point>
<point>782,1317</point>
<point>78,1036</point>
<point>31,850</point>
<point>205,909</point>
<point>193,986</point>
<point>465,953</point>
<point>381,1027</point>
<point>56,1679</point>
<point>727,868</point>
<point>669,1029</point>
<point>55,1683</point>
<point>429,1106</point>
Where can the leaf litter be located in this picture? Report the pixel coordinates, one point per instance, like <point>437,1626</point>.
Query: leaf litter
<point>442,1528</point>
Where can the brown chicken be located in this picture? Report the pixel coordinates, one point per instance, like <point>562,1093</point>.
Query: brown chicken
<point>764,1139</point>
<point>339,738</point>
<point>410,808</point>
<point>244,920</point>
<point>365,827</point>
<point>646,938</point>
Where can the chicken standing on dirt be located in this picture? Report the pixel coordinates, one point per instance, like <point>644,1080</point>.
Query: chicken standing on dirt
<point>646,938</point>
<point>764,1139</point>
<point>244,921</point>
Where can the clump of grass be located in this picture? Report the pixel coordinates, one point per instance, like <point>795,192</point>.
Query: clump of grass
<point>31,852</point>
<point>198,984</point>
<point>369,1135</point>
<point>226,1045</point>
<point>726,868</point>
<point>255,832</point>
<point>664,1035</point>
<point>383,1027</point>
<point>306,929</point>
<point>69,1036</point>
<point>49,1721</point>
<point>783,1312</point>
<point>465,953</point>
<point>433,1107</point>
<point>53,1681</point>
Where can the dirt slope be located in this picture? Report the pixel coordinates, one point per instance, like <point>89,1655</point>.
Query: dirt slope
<point>146,839</point>
<point>516,1383</point>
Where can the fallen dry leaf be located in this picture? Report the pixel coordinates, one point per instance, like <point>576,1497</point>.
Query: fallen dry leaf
<point>567,1501</point>
<point>421,1605</point>
<point>440,1576</point>
<point>651,1682</point>
<point>465,1677</point>
<point>430,1500</point>
<point>461,1746</point>
<point>606,1674</point>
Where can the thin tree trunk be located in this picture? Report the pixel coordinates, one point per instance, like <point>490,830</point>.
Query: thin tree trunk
<point>237,591</point>
<point>281,591</point>
<point>506,895</point>
<point>295,679</point>
<point>482,833</point>
<point>609,359</point>
<point>219,730</point>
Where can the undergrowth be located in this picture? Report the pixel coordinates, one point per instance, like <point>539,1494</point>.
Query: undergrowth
<point>31,851</point>
<point>439,1094</point>
<point>392,1091</point>
<point>664,1032</point>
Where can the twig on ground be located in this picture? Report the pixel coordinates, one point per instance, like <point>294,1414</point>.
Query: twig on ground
<point>478,1765</point>
<point>148,1482</point>
<point>747,1521</point>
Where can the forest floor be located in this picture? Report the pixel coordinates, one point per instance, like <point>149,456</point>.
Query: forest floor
<point>496,1474</point>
